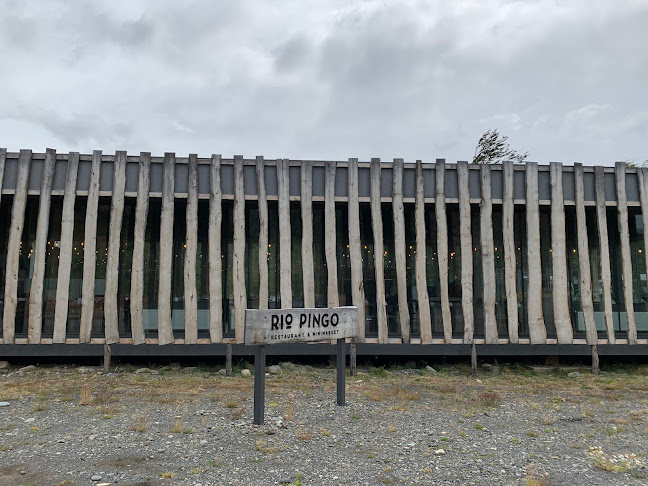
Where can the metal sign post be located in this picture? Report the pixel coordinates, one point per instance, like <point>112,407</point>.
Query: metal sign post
<point>259,384</point>
<point>341,372</point>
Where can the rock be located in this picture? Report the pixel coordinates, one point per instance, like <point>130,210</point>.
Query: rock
<point>30,420</point>
<point>4,404</point>
<point>495,369</point>
<point>574,374</point>
<point>274,369</point>
<point>84,370</point>
<point>222,372</point>
<point>155,372</point>
<point>189,369</point>
<point>246,372</point>
<point>439,452</point>
<point>4,364</point>
<point>142,370</point>
<point>487,366</point>
<point>96,477</point>
<point>28,368</point>
<point>429,369</point>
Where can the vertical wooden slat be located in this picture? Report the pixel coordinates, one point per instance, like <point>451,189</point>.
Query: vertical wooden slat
<point>165,265</point>
<point>65,260</point>
<point>90,251</point>
<point>215,257</point>
<point>285,269</point>
<point>465,234</point>
<point>379,251</point>
<point>399,248</point>
<point>40,250</point>
<point>330,238</point>
<point>537,329</point>
<point>238,273</point>
<point>114,235</point>
<point>137,271</point>
<point>606,274</point>
<point>584,259</point>
<point>642,181</point>
<point>488,254</point>
<point>508,214</point>
<point>13,247</point>
<point>355,252</point>
<point>562,320</point>
<point>191,249</point>
<point>308,272</point>
<point>263,233</point>
<point>425,319</point>
<point>442,248</point>
<point>626,261</point>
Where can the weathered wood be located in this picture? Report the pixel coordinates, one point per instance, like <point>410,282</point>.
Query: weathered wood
<point>191,250</point>
<point>399,248</point>
<point>89,251</point>
<point>107,357</point>
<point>215,258</point>
<point>13,247</point>
<point>285,250</point>
<point>473,359</point>
<point>595,360</point>
<point>263,233</point>
<point>379,250</point>
<point>137,271</point>
<point>442,248</point>
<point>642,181</point>
<point>562,320</point>
<point>604,248</point>
<point>425,318</point>
<point>65,256</point>
<point>626,261</point>
<point>537,329</point>
<point>508,214</point>
<point>228,360</point>
<point>465,234</point>
<point>165,325</point>
<point>114,248</point>
<point>308,272</point>
<point>488,255</point>
<point>40,250</point>
<point>355,252</point>
<point>330,238</point>
<point>584,258</point>
<point>238,258</point>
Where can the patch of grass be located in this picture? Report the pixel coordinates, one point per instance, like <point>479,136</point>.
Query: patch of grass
<point>231,404</point>
<point>305,436</point>
<point>40,407</point>
<point>176,427</point>
<point>167,475</point>
<point>325,432</point>
<point>264,447</point>
<point>195,470</point>
<point>187,430</point>
<point>86,395</point>
<point>479,427</point>
<point>490,399</point>
<point>378,372</point>
<point>532,434</point>
<point>289,414</point>
<point>140,425</point>
<point>355,417</point>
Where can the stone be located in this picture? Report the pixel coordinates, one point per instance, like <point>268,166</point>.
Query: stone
<point>84,370</point>
<point>155,372</point>
<point>96,477</point>
<point>4,364</point>
<point>495,369</point>
<point>28,368</point>
<point>487,366</point>
<point>429,369</point>
<point>142,370</point>
<point>574,374</point>
<point>246,372</point>
<point>4,404</point>
<point>222,372</point>
<point>274,369</point>
<point>439,452</point>
<point>30,420</point>
<point>189,369</point>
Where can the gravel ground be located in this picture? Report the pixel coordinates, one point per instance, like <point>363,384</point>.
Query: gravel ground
<point>65,425</point>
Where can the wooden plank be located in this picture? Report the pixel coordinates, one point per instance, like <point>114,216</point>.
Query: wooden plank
<point>165,265</point>
<point>238,259</point>
<point>606,274</point>
<point>330,238</point>
<point>13,247</point>
<point>584,259</point>
<point>137,271</point>
<point>465,234</point>
<point>399,248</point>
<point>508,215</point>
<point>488,255</point>
<point>355,252</point>
<point>379,251</point>
<point>537,329</point>
<point>562,320</point>
<point>308,272</point>
<point>40,250</point>
<point>263,233</point>
<point>285,269</point>
<point>442,248</point>
<point>89,250</point>
<point>114,248</point>
<point>191,250</point>
<point>215,258</point>
<point>642,180</point>
<point>425,317</point>
<point>65,256</point>
<point>626,261</point>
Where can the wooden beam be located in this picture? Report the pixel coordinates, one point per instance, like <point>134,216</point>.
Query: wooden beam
<point>508,218</point>
<point>442,248</point>
<point>626,260</point>
<point>308,271</point>
<point>425,318</point>
<point>13,247</point>
<point>584,270</point>
<point>215,255</point>
<point>165,265</point>
<point>488,255</point>
<point>355,252</point>
<point>399,248</point>
<point>137,271</point>
<point>285,250</point>
<point>562,320</point>
<point>330,238</point>
<point>379,250</point>
<point>191,250</point>
<point>642,180</point>
<point>89,251</point>
<point>465,234</point>
<point>604,248</point>
<point>537,329</point>
<point>65,256</point>
<point>35,328</point>
<point>263,233</point>
<point>238,271</point>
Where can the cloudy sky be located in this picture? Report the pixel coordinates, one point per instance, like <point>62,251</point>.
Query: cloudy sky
<point>565,80</point>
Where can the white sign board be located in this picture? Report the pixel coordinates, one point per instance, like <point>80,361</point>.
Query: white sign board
<point>275,326</point>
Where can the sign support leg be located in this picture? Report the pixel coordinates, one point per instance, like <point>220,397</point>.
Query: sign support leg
<point>259,384</point>
<point>341,369</point>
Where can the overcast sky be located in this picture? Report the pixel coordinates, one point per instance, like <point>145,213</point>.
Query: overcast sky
<point>565,80</point>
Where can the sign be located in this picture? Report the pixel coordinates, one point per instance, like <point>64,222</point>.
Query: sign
<point>276,326</point>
